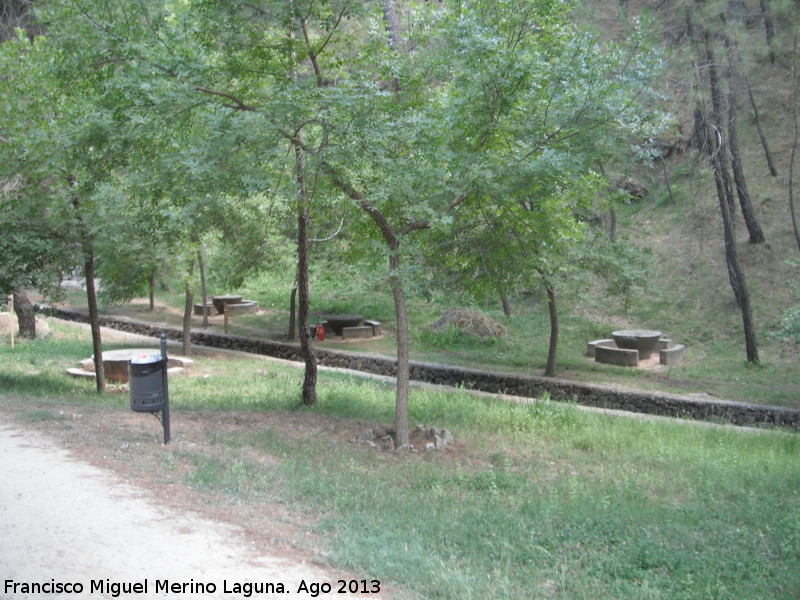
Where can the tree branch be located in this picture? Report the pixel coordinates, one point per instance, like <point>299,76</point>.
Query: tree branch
<point>238,103</point>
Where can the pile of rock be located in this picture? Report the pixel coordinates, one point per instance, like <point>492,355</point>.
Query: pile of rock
<point>423,438</point>
<point>470,322</point>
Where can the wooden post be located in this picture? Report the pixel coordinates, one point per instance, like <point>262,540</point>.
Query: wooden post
<point>225,313</point>
<point>10,316</point>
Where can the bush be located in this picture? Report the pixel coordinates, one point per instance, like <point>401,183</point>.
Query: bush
<point>790,326</point>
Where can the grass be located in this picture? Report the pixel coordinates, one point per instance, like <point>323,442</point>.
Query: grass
<point>688,298</point>
<point>708,324</point>
<point>535,501</point>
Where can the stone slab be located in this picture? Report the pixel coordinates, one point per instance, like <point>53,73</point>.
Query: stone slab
<point>592,346</point>
<point>672,356</point>
<point>621,357</point>
<point>246,307</point>
<point>221,301</point>
<point>362,331</point>
<point>211,310</point>
<point>377,328</point>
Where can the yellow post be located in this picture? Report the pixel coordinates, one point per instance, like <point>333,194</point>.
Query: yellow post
<point>10,315</point>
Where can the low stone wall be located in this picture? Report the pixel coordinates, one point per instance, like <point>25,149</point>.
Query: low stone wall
<point>528,386</point>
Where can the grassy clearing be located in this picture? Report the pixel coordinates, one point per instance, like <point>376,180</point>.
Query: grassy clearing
<point>688,299</point>
<point>534,501</point>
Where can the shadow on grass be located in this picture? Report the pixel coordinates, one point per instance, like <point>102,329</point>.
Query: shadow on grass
<point>37,385</point>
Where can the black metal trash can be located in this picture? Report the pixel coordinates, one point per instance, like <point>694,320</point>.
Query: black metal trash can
<point>147,383</point>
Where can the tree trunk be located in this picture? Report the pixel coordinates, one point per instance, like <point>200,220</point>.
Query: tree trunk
<point>666,180</point>
<point>187,313</point>
<point>769,29</point>
<point>793,153</point>
<point>746,205</point>
<point>550,369</point>
<point>700,135</point>
<point>725,196</point>
<point>152,286</point>
<point>87,248</point>
<point>762,136</point>
<point>293,313</point>
<point>739,284</point>
<point>391,15</point>
<point>401,437</point>
<point>94,317</point>
<point>26,317</point>
<point>505,301</point>
<point>203,291</point>
<point>306,349</point>
<point>718,146</point>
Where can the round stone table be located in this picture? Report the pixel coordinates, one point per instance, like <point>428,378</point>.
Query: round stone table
<point>643,340</point>
<point>115,362</point>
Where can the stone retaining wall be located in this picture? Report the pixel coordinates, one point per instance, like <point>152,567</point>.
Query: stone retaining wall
<point>528,386</point>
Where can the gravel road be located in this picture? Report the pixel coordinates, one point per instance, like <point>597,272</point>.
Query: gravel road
<point>78,531</point>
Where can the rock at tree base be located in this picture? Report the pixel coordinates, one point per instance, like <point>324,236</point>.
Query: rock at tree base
<point>422,438</point>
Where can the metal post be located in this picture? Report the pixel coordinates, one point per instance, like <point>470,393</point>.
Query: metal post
<point>165,410</point>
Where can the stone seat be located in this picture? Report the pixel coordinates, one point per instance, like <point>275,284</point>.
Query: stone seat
<point>610,354</point>
<point>359,332</point>
<point>245,307</point>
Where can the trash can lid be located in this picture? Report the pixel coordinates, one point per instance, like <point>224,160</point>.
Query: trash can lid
<point>144,359</point>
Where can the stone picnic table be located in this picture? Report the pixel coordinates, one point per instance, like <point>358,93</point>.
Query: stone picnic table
<point>221,301</point>
<point>643,340</point>
<point>115,363</point>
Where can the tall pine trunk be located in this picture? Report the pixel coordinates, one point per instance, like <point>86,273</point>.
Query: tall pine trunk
<point>725,196</point>
<point>793,155</point>
<point>742,191</point>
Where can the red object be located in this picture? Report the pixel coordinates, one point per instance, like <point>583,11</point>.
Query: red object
<point>320,333</point>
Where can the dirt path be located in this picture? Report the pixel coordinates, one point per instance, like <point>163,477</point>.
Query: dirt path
<point>63,521</point>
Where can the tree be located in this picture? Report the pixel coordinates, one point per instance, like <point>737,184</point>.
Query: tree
<point>525,226</point>
<point>409,125</point>
<point>725,196</point>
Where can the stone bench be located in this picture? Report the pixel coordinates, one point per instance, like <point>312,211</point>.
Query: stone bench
<point>611,355</point>
<point>377,328</point>
<point>245,307</point>
<point>359,332</point>
<point>591,347</point>
<point>211,310</point>
<point>671,355</point>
